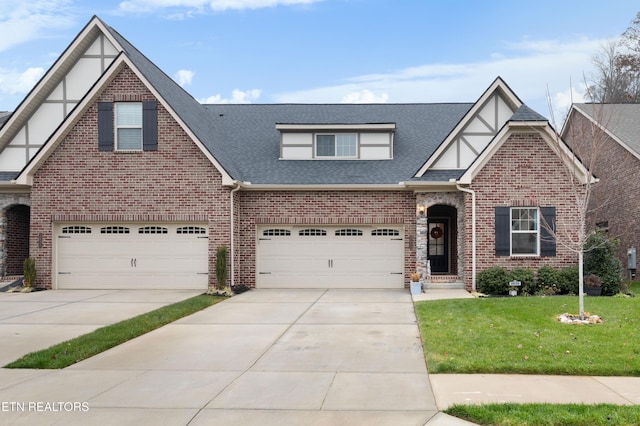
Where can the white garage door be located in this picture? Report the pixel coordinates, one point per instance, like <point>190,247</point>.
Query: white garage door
<point>330,257</point>
<point>131,256</point>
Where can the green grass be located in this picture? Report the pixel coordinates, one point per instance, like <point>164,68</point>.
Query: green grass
<point>67,353</point>
<point>548,414</point>
<point>521,335</point>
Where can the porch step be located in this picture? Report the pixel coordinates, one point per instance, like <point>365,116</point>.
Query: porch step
<point>443,285</point>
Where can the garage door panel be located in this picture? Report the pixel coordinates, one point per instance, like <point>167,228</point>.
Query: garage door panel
<point>353,258</point>
<point>108,258</point>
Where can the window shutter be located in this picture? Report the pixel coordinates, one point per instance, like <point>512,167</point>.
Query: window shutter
<point>150,126</point>
<point>502,231</point>
<point>547,240</point>
<point>105,126</point>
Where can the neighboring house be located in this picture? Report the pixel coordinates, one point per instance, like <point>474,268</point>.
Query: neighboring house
<point>609,135</point>
<point>121,179</point>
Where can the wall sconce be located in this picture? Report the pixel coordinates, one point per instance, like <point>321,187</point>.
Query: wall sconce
<point>421,210</point>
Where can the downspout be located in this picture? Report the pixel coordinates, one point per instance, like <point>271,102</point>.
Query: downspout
<point>237,187</point>
<point>473,233</point>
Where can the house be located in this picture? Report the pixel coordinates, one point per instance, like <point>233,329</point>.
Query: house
<point>608,135</point>
<point>114,177</point>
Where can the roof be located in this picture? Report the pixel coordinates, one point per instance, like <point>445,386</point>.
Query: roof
<point>524,113</point>
<point>622,120</point>
<point>4,116</point>
<point>248,134</point>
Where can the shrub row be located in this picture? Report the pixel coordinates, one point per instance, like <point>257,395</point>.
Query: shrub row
<point>550,281</point>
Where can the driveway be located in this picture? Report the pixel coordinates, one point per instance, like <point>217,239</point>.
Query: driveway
<point>265,357</point>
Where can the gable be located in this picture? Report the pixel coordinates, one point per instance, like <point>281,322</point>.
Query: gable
<point>475,131</point>
<point>56,94</point>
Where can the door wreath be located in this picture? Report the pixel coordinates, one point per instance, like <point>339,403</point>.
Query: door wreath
<point>436,232</point>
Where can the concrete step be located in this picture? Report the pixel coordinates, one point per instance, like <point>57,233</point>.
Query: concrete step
<point>443,285</point>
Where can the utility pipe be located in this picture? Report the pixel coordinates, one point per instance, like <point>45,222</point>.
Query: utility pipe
<point>237,186</point>
<point>473,233</point>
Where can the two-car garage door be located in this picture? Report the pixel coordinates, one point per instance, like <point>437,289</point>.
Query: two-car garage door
<point>131,256</point>
<point>330,256</point>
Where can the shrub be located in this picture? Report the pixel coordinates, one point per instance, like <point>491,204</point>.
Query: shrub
<point>525,276</point>
<point>600,259</point>
<point>221,267</point>
<point>548,280</point>
<point>493,280</point>
<point>568,280</point>
<point>29,267</point>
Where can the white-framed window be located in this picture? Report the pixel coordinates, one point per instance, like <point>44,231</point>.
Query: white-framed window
<point>525,231</point>
<point>344,145</point>
<point>128,126</point>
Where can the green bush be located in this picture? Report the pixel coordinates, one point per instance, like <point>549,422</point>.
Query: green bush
<point>493,280</point>
<point>525,276</point>
<point>29,269</point>
<point>221,267</point>
<point>568,280</point>
<point>548,279</point>
<point>600,259</point>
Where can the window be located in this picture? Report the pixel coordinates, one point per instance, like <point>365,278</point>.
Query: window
<point>76,230</point>
<point>152,230</point>
<point>337,145</point>
<point>191,230</point>
<point>114,230</point>
<point>128,126</point>
<point>348,233</point>
<point>312,233</point>
<point>524,231</point>
<point>276,233</point>
<point>385,232</point>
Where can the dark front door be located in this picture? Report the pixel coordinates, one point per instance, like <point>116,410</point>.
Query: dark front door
<point>438,246</point>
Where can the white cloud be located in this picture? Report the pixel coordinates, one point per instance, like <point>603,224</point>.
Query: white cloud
<point>530,68</point>
<point>184,77</point>
<point>364,96</point>
<point>202,6</point>
<point>25,20</point>
<point>237,97</point>
<point>12,82</point>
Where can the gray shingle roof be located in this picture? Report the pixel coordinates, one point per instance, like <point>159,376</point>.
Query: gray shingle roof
<point>623,120</point>
<point>524,113</point>
<point>250,137</point>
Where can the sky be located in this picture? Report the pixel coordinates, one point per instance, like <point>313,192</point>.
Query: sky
<point>332,51</point>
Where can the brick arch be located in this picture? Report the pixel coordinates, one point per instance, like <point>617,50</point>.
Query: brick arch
<point>15,218</point>
<point>424,201</point>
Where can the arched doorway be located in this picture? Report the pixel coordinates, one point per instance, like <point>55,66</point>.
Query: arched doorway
<point>16,238</point>
<point>442,231</point>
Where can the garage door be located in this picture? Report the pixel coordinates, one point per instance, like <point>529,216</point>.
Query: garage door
<point>330,257</point>
<point>131,256</point>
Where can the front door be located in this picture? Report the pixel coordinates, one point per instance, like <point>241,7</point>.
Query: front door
<point>438,246</point>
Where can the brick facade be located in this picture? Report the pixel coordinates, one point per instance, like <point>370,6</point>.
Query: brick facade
<point>320,207</point>
<point>14,233</point>
<point>615,201</point>
<point>77,183</point>
<point>524,172</point>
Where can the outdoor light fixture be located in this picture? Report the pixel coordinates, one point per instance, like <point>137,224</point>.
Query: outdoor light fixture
<point>421,210</point>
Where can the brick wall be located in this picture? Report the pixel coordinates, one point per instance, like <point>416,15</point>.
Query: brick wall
<point>79,183</point>
<point>615,199</point>
<point>524,172</point>
<point>17,238</point>
<point>320,207</point>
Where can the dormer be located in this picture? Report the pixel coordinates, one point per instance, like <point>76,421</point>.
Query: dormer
<point>367,141</point>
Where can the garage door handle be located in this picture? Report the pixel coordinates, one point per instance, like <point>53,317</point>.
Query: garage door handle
<point>396,273</point>
<point>265,273</point>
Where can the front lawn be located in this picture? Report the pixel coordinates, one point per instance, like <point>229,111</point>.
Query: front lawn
<point>548,414</point>
<point>521,335</point>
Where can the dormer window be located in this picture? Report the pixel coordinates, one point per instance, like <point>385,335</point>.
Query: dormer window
<point>336,145</point>
<point>368,141</point>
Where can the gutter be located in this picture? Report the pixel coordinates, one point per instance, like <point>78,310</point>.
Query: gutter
<point>473,233</point>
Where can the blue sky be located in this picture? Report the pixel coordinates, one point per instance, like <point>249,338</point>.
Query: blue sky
<point>330,51</point>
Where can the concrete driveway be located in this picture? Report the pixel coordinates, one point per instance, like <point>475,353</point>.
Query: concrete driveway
<point>265,357</point>
<point>34,321</point>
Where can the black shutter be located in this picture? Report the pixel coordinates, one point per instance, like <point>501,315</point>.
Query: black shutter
<point>502,231</point>
<point>150,126</point>
<point>547,239</point>
<point>105,126</point>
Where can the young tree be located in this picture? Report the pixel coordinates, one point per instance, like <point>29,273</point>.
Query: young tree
<point>617,77</point>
